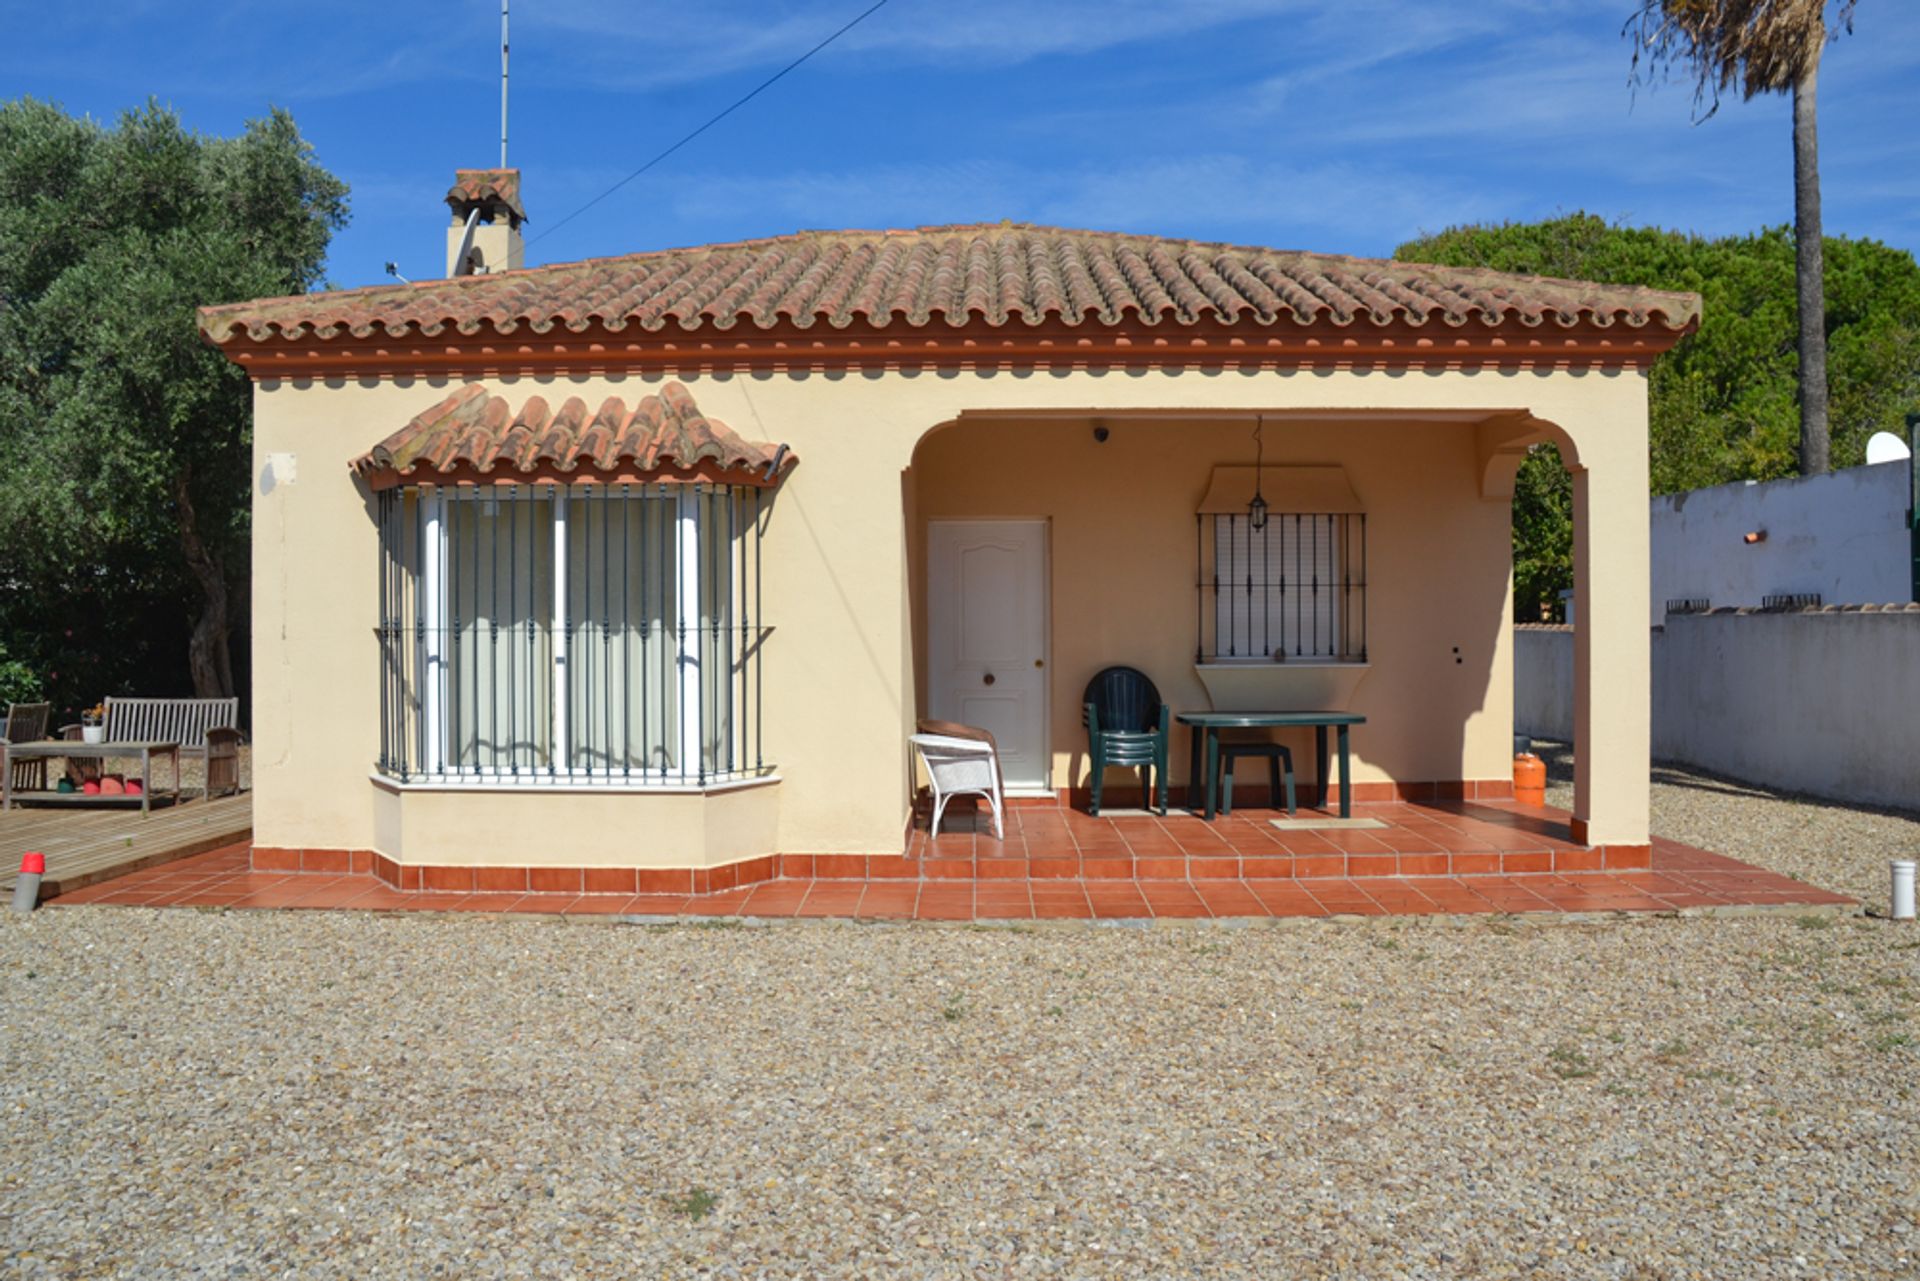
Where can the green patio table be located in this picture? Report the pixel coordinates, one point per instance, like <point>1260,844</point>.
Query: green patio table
<point>1207,725</point>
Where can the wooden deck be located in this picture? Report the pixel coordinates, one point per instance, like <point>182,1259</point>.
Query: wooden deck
<point>85,846</point>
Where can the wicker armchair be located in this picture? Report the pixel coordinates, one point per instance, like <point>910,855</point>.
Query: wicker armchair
<point>961,767</point>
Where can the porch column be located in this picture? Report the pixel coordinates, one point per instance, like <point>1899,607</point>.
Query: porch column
<point>1612,665</point>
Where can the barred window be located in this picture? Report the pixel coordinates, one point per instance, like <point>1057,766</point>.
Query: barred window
<point>590,634</point>
<point>1295,587</point>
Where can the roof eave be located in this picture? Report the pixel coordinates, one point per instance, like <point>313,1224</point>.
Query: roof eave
<point>1206,343</point>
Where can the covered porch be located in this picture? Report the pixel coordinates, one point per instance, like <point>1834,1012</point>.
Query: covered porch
<point>1275,559</point>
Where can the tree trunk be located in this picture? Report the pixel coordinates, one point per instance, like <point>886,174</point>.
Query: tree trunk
<point>1809,270</point>
<point>208,657</point>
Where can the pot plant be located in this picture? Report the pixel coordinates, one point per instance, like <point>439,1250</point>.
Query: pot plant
<point>93,724</point>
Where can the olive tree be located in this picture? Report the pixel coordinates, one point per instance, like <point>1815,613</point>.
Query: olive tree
<point>125,440</point>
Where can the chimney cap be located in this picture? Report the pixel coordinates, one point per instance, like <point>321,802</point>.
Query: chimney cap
<point>492,191</point>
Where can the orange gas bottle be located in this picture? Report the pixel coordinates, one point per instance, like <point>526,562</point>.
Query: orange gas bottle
<point>1529,779</point>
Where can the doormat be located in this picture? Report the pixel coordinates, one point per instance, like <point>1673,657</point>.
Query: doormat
<point>1325,824</point>
<point>1120,811</point>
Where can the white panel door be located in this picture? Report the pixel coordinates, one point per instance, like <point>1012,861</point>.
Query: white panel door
<point>987,637</point>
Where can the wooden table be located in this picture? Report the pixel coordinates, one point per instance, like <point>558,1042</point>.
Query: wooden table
<point>71,750</point>
<point>1207,725</point>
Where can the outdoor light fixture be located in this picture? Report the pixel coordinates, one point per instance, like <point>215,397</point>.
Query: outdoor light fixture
<point>1757,536</point>
<point>1257,509</point>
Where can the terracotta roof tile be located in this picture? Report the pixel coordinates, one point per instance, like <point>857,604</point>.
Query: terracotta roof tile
<point>476,186</point>
<point>954,276</point>
<point>475,432</point>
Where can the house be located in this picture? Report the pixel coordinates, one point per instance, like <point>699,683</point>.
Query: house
<point>654,561</point>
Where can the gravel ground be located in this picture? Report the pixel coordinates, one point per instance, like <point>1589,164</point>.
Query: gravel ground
<point>205,1093</point>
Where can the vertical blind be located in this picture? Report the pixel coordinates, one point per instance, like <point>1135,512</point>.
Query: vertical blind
<point>582,634</point>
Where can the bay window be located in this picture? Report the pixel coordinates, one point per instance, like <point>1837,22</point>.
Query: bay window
<point>593,634</point>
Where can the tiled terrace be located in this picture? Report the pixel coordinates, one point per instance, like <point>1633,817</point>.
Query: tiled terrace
<point>1055,863</point>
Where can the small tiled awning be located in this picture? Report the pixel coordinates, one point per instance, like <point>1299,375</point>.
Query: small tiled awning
<point>477,437</point>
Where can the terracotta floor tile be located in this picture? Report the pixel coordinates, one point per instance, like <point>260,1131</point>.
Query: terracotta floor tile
<point>272,896</point>
<point>1390,894</point>
<point>725,903</point>
<point>1462,905</point>
<point>343,892</point>
<point>1122,901</point>
<point>942,903</point>
<point>542,904</point>
<point>432,901</point>
<point>132,897</point>
<point>828,898</point>
<point>85,894</point>
<point>1294,902</point>
<point>383,899</point>
<point>1175,900</point>
<point>1355,842</point>
<point>1229,898</point>
<point>775,898</point>
<point>890,900</point>
<point>1344,897</point>
<point>210,898</point>
<point>600,904</point>
<point>489,901</point>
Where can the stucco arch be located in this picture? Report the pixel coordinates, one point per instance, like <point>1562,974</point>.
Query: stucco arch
<point>1502,444</point>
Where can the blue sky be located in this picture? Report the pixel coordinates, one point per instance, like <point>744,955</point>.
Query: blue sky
<point>1337,125</point>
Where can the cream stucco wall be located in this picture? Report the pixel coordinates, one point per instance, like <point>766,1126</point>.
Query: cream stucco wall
<point>840,561</point>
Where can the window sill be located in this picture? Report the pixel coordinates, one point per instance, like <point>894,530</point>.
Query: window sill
<point>542,784</point>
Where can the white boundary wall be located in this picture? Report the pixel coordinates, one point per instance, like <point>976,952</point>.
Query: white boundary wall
<point>1824,702</point>
<point>1543,681</point>
<point>1842,536</point>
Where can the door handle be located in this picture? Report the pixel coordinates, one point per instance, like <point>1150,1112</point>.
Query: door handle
<point>987,679</point>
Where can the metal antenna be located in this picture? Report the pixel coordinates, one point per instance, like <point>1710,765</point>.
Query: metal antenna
<point>503,84</point>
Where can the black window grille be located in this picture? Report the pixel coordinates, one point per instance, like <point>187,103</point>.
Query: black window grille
<point>579,634</point>
<point>1294,588</point>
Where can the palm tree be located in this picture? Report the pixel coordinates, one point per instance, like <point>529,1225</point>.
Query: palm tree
<point>1764,46</point>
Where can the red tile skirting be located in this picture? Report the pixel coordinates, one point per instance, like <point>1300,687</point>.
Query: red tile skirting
<point>269,858</point>
<point>1628,858</point>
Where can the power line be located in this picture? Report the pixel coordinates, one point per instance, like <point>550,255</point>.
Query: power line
<point>738,103</point>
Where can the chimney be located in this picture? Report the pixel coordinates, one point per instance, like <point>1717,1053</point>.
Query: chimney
<point>491,199</point>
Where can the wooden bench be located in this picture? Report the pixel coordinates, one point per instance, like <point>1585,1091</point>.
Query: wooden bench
<point>207,728</point>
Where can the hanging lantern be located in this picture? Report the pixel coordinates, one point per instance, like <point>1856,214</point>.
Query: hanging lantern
<point>1257,509</point>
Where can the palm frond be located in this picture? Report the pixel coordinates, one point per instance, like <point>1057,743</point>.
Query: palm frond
<point>1756,46</point>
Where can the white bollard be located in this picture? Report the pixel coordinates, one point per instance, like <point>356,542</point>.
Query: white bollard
<point>1902,889</point>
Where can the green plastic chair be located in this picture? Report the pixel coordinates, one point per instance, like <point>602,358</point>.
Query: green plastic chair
<point>1126,727</point>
